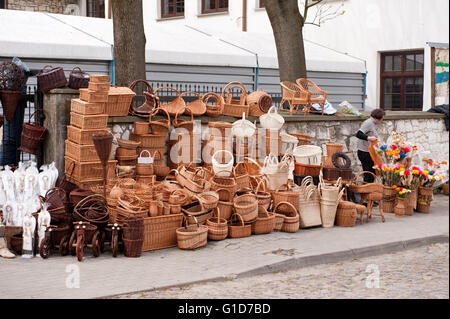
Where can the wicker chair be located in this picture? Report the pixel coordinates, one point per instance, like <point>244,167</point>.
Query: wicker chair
<point>295,96</point>
<point>317,95</point>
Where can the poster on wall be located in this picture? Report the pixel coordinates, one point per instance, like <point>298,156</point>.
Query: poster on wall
<point>441,82</point>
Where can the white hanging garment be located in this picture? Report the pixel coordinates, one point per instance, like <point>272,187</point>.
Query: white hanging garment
<point>8,183</point>
<point>54,173</point>
<point>44,219</point>
<point>31,182</point>
<point>29,226</point>
<point>19,180</point>
<point>9,213</point>
<point>45,180</point>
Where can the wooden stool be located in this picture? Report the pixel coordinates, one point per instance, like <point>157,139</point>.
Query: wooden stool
<point>371,198</point>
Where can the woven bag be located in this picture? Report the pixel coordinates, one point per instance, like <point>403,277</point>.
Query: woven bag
<point>213,110</point>
<point>310,208</point>
<point>237,227</point>
<point>264,197</point>
<point>234,107</point>
<point>160,127</point>
<point>78,79</point>
<point>271,120</point>
<point>192,237</point>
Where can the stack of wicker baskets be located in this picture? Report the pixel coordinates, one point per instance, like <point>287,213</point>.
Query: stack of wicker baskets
<point>87,117</point>
<point>333,168</point>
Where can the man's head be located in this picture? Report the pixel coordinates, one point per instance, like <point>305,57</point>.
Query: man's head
<point>377,115</point>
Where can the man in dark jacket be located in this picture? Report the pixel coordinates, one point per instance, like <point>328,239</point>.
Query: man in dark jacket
<point>366,134</point>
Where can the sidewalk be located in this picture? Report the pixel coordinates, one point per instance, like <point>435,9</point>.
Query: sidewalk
<point>107,276</point>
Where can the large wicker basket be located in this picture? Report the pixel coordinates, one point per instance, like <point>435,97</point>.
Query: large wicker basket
<point>119,101</point>
<point>160,231</point>
<point>265,222</point>
<point>237,227</point>
<point>346,214</point>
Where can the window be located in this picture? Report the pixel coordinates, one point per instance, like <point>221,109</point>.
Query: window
<point>2,4</point>
<point>210,6</point>
<point>261,3</point>
<point>95,8</point>
<point>402,81</point>
<point>172,8</point>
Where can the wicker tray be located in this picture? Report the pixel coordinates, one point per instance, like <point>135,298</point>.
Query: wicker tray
<point>93,96</point>
<point>86,108</point>
<point>160,231</point>
<point>90,170</point>
<point>81,136</point>
<point>89,122</point>
<point>81,153</point>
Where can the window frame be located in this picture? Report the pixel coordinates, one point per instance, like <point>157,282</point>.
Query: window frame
<point>217,10</point>
<point>171,15</point>
<point>403,74</point>
<point>261,4</point>
<point>5,4</point>
<point>97,9</point>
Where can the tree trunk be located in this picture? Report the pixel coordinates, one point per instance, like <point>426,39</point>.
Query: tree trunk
<point>129,41</point>
<point>287,25</point>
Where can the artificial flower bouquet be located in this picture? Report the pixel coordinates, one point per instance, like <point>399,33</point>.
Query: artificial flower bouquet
<point>400,191</point>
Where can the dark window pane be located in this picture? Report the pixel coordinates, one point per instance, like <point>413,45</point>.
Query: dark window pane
<point>388,63</point>
<point>419,85</point>
<point>223,3</point>
<point>397,62</point>
<point>419,61</point>
<point>210,4</point>
<point>396,101</point>
<point>409,84</point>
<point>397,85</point>
<point>387,85</point>
<point>387,101</point>
<point>418,101</point>
<point>180,6</point>
<point>410,62</point>
<point>409,101</point>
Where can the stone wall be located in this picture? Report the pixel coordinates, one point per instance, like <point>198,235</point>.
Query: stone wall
<point>50,6</point>
<point>428,133</point>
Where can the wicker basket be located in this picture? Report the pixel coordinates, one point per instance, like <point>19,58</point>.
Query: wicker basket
<point>330,173</point>
<point>246,205</point>
<point>303,139</point>
<point>346,214</point>
<point>259,103</point>
<point>175,106</point>
<point>400,207</point>
<point>93,96</point>
<point>265,222</point>
<point>196,107</point>
<point>99,86</point>
<point>119,101</point>
<point>99,78</point>
<point>305,169</point>
<point>192,237</point>
<point>213,110</point>
<point>51,78</point>
<point>149,140</point>
<point>328,213</point>
<point>231,107</point>
<point>241,176</point>
<point>89,122</point>
<point>32,136</point>
<point>86,108</point>
<point>209,200</point>
<point>217,227</point>
<point>195,212</point>
<point>333,148</point>
<point>81,136</point>
<point>291,219</point>
<point>308,154</point>
<point>159,127</point>
<point>278,222</point>
<point>357,187</point>
<point>264,197</point>
<point>160,231</point>
<point>82,153</point>
<point>285,193</point>
<point>228,183</point>
<point>141,128</point>
<point>187,125</point>
<point>78,79</point>
<point>237,227</point>
<point>89,170</point>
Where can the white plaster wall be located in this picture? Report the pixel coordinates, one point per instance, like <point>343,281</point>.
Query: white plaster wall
<point>367,28</point>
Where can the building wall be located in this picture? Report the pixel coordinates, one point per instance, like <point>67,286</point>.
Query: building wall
<point>367,28</point>
<point>50,6</point>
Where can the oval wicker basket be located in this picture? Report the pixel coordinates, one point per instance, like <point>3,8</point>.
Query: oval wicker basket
<point>265,222</point>
<point>213,110</point>
<point>364,188</point>
<point>175,106</point>
<point>237,227</point>
<point>217,226</point>
<point>246,205</point>
<point>285,193</point>
<point>192,236</point>
<point>291,222</point>
<point>159,127</point>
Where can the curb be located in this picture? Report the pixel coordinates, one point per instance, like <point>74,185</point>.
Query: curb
<point>307,261</point>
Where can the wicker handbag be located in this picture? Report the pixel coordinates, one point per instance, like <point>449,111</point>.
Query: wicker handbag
<point>237,227</point>
<point>265,222</point>
<point>192,237</point>
<point>160,127</point>
<point>245,204</point>
<point>272,120</point>
<point>187,125</point>
<point>241,176</point>
<point>175,106</point>
<point>151,100</point>
<point>51,78</point>
<point>309,211</point>
<point>213,110</point>
<point>78,79</point>
<point>32,136</point>
<point>234,107</point>
<point>217,226</point>
<point>196,107</point>
<point>291,222</point>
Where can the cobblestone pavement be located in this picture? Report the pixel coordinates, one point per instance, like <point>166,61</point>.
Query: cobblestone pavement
<point>416,273</point>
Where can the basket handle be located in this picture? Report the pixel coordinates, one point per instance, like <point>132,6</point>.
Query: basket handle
<point>287,187</point>
<point>181,112</point>
<point>79,70</point>
<point>168,87</point>
<point>213,95</point>
<point>146,151</point>
<point>156,111</point>
<point>289,204</point>
<point>238,164</point>
<point>354,181</point>
<point>234,84</point>
<point>159,153</point>
<point>226,152</point>
<point>242,191</point>
<point>231,174</point>
<point>257,186</point>
<point>239,216</point>
<point>45,67</point>
<point>273,107</point>
<point>192,92</point>
<point>71,172</point>
<point>133,84</point>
